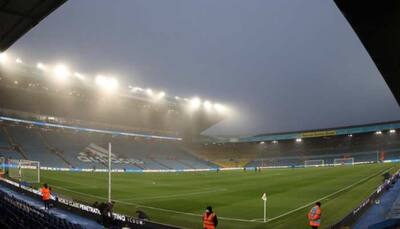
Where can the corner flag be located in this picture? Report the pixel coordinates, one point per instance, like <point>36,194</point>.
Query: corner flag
<point>264,197</point>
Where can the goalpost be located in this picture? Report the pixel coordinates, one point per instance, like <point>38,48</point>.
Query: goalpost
<point>314,163</point>
<point>2,166</point>
<point>343,161</point>
<point>24,170</point>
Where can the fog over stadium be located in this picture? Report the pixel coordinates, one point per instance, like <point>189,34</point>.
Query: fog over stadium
<point>284,65</point>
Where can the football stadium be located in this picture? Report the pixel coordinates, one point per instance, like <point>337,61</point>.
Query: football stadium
<point>115,155</point>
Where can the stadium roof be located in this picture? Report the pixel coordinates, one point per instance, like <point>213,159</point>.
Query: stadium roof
<point>377,24</point>
<point>17,17</point>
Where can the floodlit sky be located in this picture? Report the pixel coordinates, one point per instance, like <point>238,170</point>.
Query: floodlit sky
<point>283,65</point>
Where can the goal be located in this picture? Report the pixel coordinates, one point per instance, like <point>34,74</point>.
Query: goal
<point>2,166</point>
<point>24,170</point>
<point>343,161</point>
<point>314,163</point>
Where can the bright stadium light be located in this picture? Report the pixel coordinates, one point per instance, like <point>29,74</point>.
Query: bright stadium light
<point>79,76</point>
<point>378,132</point>
<point>207,105</point>
<point>195,103</point>
<point>18,61</point>
<point>61,71</point>
<point>137,89</point>
<point>299,140</point>
<point>274,141</point>
<point>350,135</point>
<point>41,66</point>
<point>220,108</point>
<point>392,131</point>
<point>161,95</point>
<point>149,92</point>
<point>3,57</point>
<point>107,84</point>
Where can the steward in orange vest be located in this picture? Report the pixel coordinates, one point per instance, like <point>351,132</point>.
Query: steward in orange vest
<point>46,193</point>
<point>314,216</point>
<point>210,220</point>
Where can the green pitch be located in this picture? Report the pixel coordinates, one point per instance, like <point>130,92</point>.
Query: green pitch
<point>180,198</point>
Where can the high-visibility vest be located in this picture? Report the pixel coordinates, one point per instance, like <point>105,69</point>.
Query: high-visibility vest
<point>208,221</point>
<point>45,193</point>
<point>314,216</point>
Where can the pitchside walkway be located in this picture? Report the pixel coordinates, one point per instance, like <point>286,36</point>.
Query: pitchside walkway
<point>60,213</point>
<point>379,212</point>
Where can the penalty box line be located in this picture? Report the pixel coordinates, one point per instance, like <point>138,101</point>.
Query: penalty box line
<point>327,196</point>
<point>258,220</point>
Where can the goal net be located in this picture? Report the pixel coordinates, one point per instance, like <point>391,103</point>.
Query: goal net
<point>314,163</point>
<point>343,161</point>
<point>24,170</point>
<point>2,166</point>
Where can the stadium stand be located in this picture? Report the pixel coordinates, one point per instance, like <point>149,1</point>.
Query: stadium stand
<point>363,147</point>
<point>65,148</point>
<point>16,213</point>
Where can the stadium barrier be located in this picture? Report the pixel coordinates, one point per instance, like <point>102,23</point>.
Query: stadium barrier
<point>194,170</point>
<point>352,217</point>
<point>86,210</point>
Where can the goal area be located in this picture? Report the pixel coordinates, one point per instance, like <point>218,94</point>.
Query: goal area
<point>343,161</point>
<point>23,170</point>
<point>314,163</point>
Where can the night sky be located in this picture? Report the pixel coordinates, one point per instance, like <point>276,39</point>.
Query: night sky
<point>283,65</point>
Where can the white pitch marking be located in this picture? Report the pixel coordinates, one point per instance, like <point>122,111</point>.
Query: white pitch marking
<point>174,195</point>
<point>228,218</point>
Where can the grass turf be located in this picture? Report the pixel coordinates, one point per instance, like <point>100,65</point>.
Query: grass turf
<point>180,198</point>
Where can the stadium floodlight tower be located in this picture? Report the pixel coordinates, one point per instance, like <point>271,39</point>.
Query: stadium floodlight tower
<point>314,163</point>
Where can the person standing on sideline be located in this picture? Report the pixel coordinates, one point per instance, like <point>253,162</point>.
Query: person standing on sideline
<point>314,216</point>
<point>45,190</point>
<point>210,220</point>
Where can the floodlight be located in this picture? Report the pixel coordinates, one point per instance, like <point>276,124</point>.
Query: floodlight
<point>41,66</point>
<point>392,131</point>
<point>18,60</point>
<point>220,108</point>
<point>262,143</point>
<point>108,84</point>
<point>299,140</point>
<point>79,76</point>
<point>350,135</point>
<point>207,105</point>
<point>195,103</point>
<point>137,89</point>
<point>274,141</point>
<point>161,95</point>
<point>378,132</point>
<point>149,92</point>
<point>61,71</point>
<point>3,57</point>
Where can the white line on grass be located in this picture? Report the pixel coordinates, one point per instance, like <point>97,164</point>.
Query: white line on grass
<point>325,197</point>
<point>175,195</point>
<point>229,218</point>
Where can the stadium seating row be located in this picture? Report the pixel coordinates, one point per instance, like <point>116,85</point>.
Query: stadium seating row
<point>16,214</point>
<point>62,148</point>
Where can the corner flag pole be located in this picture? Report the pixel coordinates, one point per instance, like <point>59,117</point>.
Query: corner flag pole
<point>109,172</point>
<point>264,198</point>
